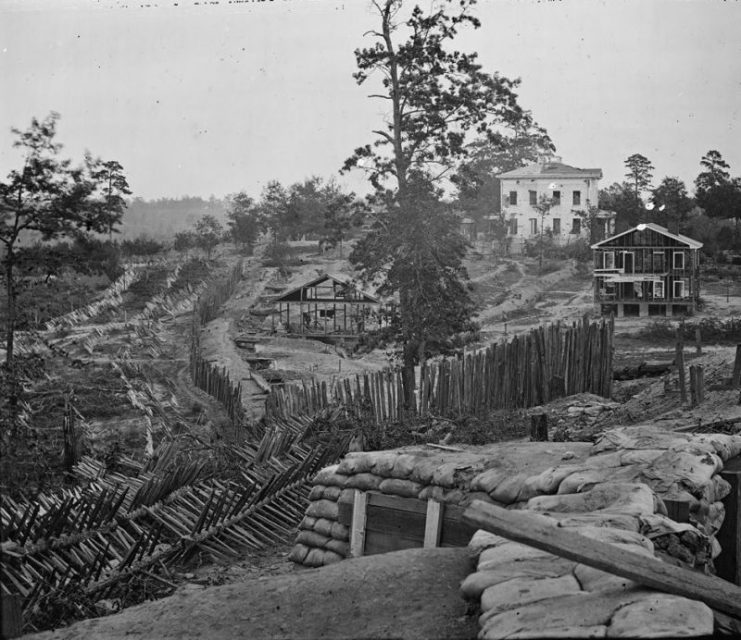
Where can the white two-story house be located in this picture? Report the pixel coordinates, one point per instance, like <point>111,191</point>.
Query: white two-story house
<point>568,190</point>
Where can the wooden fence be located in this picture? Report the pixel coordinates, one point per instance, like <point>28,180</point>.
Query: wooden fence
<point>547,363</point>
<point>214,380</point>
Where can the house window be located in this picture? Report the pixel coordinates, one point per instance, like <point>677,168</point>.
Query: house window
<point>576,226</point>
<point>658,290</point>
<point>658,262</point>
<point>513,226</point>
<point>513,197</point>
<point>533,197</point>
<point>556,226</point>
<point>679,289</point>
<point>576,197</point>
<point>678,258</point>
<point>533,226</point>
<point>609,259</point>
<point>556,198</point>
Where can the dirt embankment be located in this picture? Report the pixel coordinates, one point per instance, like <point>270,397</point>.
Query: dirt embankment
<point>410,594</point>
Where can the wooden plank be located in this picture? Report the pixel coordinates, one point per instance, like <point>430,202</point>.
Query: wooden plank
<point>396,523</point>
<point>12,619</point>
<point>414,505</point>
<point>728,563</point>
<point>381,543</point>
<point>345,513</point>
<point>529,529</point>
<point>357,530</point>
<point>455,532</point>
<point>433,523</point>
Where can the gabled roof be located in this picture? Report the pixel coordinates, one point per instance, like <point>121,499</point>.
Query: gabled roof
<point>551,169</point>
<point>692,244</point>
<point>363,296</point>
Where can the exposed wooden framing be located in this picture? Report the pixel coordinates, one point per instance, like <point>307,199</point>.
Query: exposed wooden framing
<point>528,528</point>
<point>433,524</point>
<point>357,530</point>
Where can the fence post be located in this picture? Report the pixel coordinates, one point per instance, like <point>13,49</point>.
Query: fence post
<point>539,427</point>
<point>679,361</point>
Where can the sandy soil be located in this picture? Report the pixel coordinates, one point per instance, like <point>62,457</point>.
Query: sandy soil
<point>409,594</point>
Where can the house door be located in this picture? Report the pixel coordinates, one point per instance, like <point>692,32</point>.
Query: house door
<point>628,262</point>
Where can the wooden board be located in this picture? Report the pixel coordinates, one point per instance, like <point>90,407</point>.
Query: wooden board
<point>528,528</point>
<point>728,563</point>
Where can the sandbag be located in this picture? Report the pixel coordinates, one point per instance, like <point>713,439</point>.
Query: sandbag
<point>548,481</point>
<point>692,471</point>
<point>331,493</point>
<point>307,523</point>
<point>512,551</point>
<point>586,479</point>
<point>662,614</point>
<point>454,496</point>
<point>614,536</point>
<point>577,610</point>
<point>644,436</point>
<point>347,496</point>
<point>432,492</point>
<point>323,509</point>
<point>298,553</point>
<point>316,493</point>
<point>340,547</point>
<point>323,527</point>
<point>483,539</point>
<point>508,490</point>
<point>592,579</point>
<point>469,497</point>
<point>603,460</point>
<point>489,479</point>
<point>340,531</point>
<point>356,462</point>
<point>311,539</point>
<point>383,464</point>
<point>725,445</point>
<point>605,519</point>
<point>551,567</point>
<point>403,488</point>
<point>403,466</point>
<point>568,633</point>
<point>329,476</point>
<point>446,475</point>
<point>630,499</point>
<point>363,481</point>
<point>717,489</point>
<point>315,558</point>
<point>640,456</point>
<point>521,591</point>
<point>424,470</point>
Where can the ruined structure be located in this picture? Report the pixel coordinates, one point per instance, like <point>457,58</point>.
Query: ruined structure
<point>647,271</point>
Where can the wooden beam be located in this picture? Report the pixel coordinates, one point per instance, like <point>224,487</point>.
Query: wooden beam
<point>433,523</point>
<point>357,530</point>
<point>529,529</point>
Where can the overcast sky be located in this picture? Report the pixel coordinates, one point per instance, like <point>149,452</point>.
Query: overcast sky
<point>213,98</point>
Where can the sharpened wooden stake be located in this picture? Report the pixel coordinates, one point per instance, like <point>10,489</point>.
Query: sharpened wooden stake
<point>532,530</point>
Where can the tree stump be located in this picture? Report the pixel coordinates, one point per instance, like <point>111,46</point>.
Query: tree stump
<point>539,427</point>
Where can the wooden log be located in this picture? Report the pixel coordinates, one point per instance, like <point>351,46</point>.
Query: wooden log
<point>530,529</point>
<point>736,376</point>
<point>539,427</point>
<point>679,361</point>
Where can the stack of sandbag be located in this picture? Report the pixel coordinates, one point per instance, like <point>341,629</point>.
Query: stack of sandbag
<point>524,592</point>
<point>675,466</point>
<point>322,539</point>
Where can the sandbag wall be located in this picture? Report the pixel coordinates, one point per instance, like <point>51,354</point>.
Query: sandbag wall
<point>636,467</point>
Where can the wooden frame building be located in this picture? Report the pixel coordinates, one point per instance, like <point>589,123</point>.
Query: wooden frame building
<point>329,305</point>
<point>647,271</point>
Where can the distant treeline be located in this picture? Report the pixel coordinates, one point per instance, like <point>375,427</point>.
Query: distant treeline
<point>161,219</point>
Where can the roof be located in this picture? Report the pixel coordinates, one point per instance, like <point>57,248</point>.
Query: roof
<point>551,169</point>
<point>692,244</point>
<point>363,296</point>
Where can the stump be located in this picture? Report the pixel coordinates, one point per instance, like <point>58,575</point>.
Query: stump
<point>539,427</point>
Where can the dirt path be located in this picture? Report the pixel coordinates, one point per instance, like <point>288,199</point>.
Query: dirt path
<point>410,594</point>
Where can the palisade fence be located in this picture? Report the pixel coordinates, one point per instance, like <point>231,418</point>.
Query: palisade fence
<point>214,380</point>
<point>549,362</point>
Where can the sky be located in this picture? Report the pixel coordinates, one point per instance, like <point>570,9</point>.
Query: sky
<point>210,98</point>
